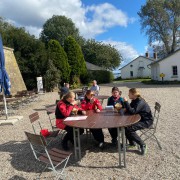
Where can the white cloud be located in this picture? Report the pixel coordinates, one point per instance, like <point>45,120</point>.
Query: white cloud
<point>104,16</point>
<point>91,20</point>
<point>127,51</point>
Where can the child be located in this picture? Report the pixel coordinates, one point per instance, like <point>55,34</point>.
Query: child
<point>65,108</point>
<point>115,100</point>
<point>138,106</point>
<point>91,103</point>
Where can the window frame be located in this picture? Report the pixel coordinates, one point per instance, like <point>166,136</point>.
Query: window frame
<point>131,74</point>
<point>175,70</point>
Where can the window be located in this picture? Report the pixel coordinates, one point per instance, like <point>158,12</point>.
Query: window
<point>131,73</point>
<point>174,71</point>
<point>131,65</point>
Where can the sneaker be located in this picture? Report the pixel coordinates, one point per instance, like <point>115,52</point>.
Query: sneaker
<point>143,149</point>
<point>114,142</point>
<point>130,146</point>
<point>65,145</point>
<point>101,145</point>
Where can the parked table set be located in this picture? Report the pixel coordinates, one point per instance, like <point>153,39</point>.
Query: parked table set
<point>103,120</point>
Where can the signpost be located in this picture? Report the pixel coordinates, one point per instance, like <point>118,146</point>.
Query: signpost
<point>39,85</point>
<point>162,75</point>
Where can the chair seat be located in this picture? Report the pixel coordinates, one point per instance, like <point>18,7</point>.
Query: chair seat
<point>56,155</point>
<point>54,133</point>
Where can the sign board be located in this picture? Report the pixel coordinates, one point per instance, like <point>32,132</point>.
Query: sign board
<point>162,75</point>
<point>39,85</point>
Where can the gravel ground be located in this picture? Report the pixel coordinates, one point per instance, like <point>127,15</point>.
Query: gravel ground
<point>17,161</point>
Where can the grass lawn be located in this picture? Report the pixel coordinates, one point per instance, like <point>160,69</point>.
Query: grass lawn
<point>132,80</point>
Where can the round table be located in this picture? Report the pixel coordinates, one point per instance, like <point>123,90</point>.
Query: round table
<point>102,120</point>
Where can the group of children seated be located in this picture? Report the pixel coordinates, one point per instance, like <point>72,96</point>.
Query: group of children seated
<point>138,105</point>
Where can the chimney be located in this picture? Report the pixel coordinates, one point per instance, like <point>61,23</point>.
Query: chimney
<point>147,54</point>
<point>155,55</point>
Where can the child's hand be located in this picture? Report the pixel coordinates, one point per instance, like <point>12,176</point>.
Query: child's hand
<point>97,110</point>
<point>83,112</point>
<point>125,99</point>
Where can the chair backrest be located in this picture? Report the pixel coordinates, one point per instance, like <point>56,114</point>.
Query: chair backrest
<point>57,100</point>
<point>52,118</point>
<point>34,117</point>
<point>157,109</point>
<point>36,139</point>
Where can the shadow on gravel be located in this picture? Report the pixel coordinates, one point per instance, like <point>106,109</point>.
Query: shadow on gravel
<point>17,178</point>
<point>42,109</point>
<point>22,158</point>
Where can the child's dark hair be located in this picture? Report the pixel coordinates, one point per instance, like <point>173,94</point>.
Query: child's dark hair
<point>116,89</point>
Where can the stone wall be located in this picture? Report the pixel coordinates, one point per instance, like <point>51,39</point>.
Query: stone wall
<point>17,82</point>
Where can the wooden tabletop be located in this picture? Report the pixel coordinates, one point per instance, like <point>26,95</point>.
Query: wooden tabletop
<point>104,120</point>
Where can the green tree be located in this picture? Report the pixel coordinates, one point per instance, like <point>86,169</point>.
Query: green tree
<point>52,76</point>
<point>30,52</point>
<point>160,19</point>
<point>75,57</point>
<point>103,55</point>
<point>59,58</point>
<point>59,28</point>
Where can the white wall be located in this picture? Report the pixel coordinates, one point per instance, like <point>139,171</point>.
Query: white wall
<point>134,66</point>
<point>165,66</point>
<point>155,72</point>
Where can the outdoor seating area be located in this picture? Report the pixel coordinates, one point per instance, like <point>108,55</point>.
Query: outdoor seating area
<point>17,101</point>
<point>88,159</point>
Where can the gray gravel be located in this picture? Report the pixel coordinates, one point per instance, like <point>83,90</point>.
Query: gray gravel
<point>17,161</point>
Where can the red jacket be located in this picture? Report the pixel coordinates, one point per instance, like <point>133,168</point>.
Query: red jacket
<point>63,110</point>
<point>87,105</point>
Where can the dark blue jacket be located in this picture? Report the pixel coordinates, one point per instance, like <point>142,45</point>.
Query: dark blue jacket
<point>112,102</point>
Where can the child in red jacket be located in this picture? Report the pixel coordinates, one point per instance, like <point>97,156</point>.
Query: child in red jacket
<point>64,109</point>
<point>92,103</point>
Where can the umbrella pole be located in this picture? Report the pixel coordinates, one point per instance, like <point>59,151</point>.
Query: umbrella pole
<point>5,105</point>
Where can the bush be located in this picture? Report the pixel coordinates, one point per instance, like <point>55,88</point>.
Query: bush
<point>52,77</point>
<point>86,78</point>
<point>102,76</point>
<point>75,82</point>
<point>118,79</point>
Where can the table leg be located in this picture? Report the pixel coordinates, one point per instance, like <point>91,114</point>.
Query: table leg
<point>119,145</point>
<point>124,146</point>
<point>77,143</point>
<point>121,134</point>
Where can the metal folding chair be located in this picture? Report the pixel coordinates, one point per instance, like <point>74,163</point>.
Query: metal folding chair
<point>150,132</point>
<point>37,127</point>
<point>55,159</point>
<point>52,119</point>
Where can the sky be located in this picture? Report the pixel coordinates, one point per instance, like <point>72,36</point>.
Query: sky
<point>114,22</point>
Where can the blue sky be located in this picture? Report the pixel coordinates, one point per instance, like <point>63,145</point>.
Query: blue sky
<point>113,21</point>
<point>131,34</point>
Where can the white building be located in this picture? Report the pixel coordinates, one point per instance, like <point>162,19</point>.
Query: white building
<point>169,66</point>
<point>137,68</point>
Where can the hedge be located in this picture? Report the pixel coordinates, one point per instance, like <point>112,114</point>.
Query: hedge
<point>101,76</point>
